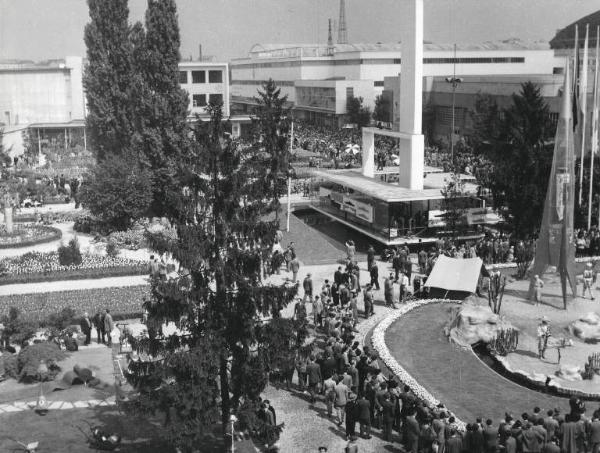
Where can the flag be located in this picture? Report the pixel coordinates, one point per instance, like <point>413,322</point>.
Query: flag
<point>595,118</point>
<point>575,91</point>
<point>582,113</point>
<point>555,246</point>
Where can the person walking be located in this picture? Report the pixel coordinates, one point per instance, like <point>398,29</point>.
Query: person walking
<point>368,300</point>
<point>588,278</point>
<point>412,433</point>
<point>364,417</point>
<point>318,311</point>
<point>422,259</point>
<point>307,285</point>
<point>341,398</point>
<point>374,273</point>
<point>543,333</point>
<point>154,268</point>
<point>329,390</point>
<point>99,324</point>
<point>294,268</point>
<point>538,284</point>
<point>109,325</point>
<point>86,328</point>
<point>388,288</point>
<point>387,410</point>
<point>350,250</point>
<point>370,257</point>
<point>313,373</point>
<point>351,415</point>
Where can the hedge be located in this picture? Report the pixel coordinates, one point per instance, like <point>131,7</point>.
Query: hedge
<point>123,302</point>
<point>74,274</point>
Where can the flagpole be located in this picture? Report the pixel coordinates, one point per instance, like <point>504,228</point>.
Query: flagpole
<point>594,141</point>
<point>583,105</point>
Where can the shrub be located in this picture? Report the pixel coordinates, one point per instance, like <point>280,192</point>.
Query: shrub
<point>17,329</point>
<point>112,249</point>
<point>60,320</point>
<point>29,359</point>
<point>70,255</point>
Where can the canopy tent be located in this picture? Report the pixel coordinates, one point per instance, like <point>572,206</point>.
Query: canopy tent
<point>456,274</point>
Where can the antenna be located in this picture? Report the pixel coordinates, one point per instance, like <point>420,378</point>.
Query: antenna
<point>342,30</point>
<point>330,39</point>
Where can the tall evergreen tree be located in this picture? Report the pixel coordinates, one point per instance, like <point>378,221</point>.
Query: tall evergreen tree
<point>223,218</point>
<point>521,152</point>
<point>163,103</point>
<point>109,80</point>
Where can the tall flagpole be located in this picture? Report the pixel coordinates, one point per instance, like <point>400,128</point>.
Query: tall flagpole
<point>289,182</point>
<point>595,118</point>
<point>583,105</point>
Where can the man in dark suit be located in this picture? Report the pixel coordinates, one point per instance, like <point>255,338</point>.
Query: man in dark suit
<point>86,328</point>
<point>490,436</point>
<point>454,442</point>
<point>307,285</point>
<point>387,410</point>
<point>594,431</point>
<point>313,372</point>
<point>338,276</point>
<point>364,417</point>
<point>99,324</point>
<point>272,410</point>
<point>374,272</point>
<point>412,431</point>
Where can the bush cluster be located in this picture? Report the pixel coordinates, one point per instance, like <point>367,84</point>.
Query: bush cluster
<point>25,366</point>
<point>70,255</point>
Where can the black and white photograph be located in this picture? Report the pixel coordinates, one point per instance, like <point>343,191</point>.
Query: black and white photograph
<point>300,226</point>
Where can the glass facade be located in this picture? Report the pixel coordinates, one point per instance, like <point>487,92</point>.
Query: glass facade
<point>320,97</point>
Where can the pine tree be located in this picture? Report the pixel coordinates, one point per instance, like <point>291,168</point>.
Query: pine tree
<point>163,103</point>
<point>223,218</point>
<point>109,80</point>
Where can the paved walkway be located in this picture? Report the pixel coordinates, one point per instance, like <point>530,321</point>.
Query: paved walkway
<point>67,285</point>
<point>454,375</point>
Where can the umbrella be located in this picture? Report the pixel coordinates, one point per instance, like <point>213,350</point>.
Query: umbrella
<point>354,149</point>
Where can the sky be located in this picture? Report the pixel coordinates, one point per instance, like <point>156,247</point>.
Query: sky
<point>45,29</point>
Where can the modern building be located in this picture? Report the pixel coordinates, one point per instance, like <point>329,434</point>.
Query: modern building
<point>205,82</point>
<point>302,70</point>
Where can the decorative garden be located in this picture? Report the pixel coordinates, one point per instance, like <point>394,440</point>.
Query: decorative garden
<point>24,235</point>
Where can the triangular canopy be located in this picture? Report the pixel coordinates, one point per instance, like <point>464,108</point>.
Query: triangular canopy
<point>455,274</point>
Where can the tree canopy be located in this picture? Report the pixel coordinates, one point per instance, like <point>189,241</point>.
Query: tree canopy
<point>518,141</point>
<point>357,113</point>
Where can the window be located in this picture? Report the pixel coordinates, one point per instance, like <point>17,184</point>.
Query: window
<point>378,83</point>
<point>199,100</point>
<point>349,92</point>
<point>216,98</point>
<point>215,76</point>
<point>182,77</point>
<point>198,76</point>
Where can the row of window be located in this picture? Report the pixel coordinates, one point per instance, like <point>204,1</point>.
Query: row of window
<point>199,100</point>
<point>200,77</point>
<point>279,83</point>
<point>380,61</point>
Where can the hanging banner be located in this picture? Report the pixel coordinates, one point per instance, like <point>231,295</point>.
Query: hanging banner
<point>358,208</point>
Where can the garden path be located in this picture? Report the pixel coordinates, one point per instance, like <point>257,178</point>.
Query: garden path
<point>66,285</point>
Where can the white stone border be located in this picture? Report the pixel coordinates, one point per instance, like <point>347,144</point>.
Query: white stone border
<point>378,341</point>
<point>498,266</point>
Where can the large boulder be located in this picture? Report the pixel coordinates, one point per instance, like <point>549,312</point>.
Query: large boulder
<point>474,323</point>
<point>587,328</point>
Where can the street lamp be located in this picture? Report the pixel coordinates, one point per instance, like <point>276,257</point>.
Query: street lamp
<point>454,81</point>
<point>232,420</point>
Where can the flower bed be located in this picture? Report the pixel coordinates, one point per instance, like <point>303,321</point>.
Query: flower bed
<point>123,302</point>
<point>378,341</point>
<point>25,235</point>
<point>37,266</point>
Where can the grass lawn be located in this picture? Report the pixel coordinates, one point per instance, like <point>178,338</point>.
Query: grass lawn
<point>456,376</point>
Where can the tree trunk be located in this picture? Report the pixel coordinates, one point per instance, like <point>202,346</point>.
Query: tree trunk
<point>225,402</point>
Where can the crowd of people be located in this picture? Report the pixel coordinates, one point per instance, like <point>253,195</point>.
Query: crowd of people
<point>346,377</point>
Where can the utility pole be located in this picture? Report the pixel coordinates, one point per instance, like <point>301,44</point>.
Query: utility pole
<point>454,81</point>
<point>289,180</point>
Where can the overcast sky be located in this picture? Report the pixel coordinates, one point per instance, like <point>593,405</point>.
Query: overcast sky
<point>43,29</point>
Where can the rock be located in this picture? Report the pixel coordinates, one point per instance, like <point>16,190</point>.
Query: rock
<point>474,323</point>
<point>569,373</point>
<point>587,328</point>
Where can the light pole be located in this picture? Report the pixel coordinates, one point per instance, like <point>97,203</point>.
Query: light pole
<point>232,419</point>
<point>289,179</point>
<point>454,81</point>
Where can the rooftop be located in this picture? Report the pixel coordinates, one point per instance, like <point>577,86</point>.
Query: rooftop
<point>388,192</point>
<point>565,37</point>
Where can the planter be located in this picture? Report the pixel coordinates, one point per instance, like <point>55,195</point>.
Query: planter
<point>26,235</point>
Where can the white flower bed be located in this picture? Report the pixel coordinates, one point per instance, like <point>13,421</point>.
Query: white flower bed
<point>378,341</point>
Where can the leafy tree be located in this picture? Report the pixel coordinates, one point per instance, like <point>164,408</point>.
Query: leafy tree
<point>17,329</point>
<point>519,146</point>
<point>357,113</point>
<point>109,79</point>
<point>163,103</point>
<point>118,191</point>
<point>223,216</point>
<point>382,111</point>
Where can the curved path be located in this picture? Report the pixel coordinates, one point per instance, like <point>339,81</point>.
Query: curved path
<point>68,285</point>
<point>456,376</point>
